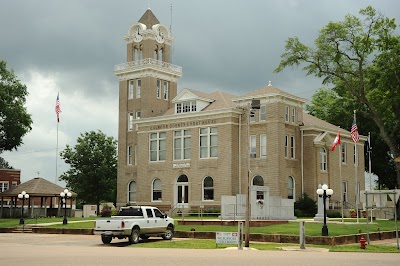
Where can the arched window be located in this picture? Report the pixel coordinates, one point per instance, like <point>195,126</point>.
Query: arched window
<point>291,188</point>
<point>132,191</point>
<point>157,190</point>
<point>208,188</point>
<point>259,181</point>
<point>322,159</point>
<point>183,178</point>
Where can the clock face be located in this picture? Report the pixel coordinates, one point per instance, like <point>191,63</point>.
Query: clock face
<point>138,34</point>
<point>160,35</point>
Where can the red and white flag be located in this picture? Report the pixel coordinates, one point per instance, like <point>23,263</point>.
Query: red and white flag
<point>58,109</point>
<point>336,141</point>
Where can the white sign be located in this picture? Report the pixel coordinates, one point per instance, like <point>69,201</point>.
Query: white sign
<point>180,165</point>
<point>226,238</point>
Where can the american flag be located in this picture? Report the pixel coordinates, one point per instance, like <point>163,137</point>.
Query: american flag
<point>354,131</point>
<point>58,109</point>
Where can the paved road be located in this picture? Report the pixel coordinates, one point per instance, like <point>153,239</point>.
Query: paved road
<point>72,250</point>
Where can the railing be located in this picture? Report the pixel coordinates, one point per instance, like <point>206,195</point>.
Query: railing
<point>148,62</point>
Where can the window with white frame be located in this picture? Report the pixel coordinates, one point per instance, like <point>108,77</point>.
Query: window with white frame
<point>165,90</point>
<point>157,190</point>
<point>186,107</point>
<point>253,147</point>
<point>182,144</point>
<point>259,181</point>
<point>344,187</point>
<point>292,145</point>
<point>138,87</point>
<point>286,146</point>
<point>263,113</point>
<point>130,89</point>
<point>208,188</point>
<point>322,159</point>
<point>132,191</point>
<point>130,121</point>
<point>293,115</point>
<point>157,146</point>
<point>344,155</point>
<point>263,145</point>
<point>286,113</point>
<point>158,93</point>
<point>291,187</point>
<point>209,142</point>
<point>138,115</point>
<point>129,155</point>
<point>252,116</point>
<point>14,184</point>
<point>135,155</point>
<point>3,186</point>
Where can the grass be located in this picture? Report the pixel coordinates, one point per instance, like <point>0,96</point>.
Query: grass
<point>13,222</point>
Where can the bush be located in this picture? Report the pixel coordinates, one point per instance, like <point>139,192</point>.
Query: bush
<point>105,212</point>
<point>333,214</point>
<point>306,205</point>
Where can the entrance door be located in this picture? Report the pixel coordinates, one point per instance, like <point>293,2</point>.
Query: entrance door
<point>182,192</point>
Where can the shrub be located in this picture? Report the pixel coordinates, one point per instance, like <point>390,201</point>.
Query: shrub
<point>105,212</point>
<point>333,214</point>
<point>306,205</point>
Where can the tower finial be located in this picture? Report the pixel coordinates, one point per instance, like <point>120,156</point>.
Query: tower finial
<point>269,83</point>
<point>148,4</point>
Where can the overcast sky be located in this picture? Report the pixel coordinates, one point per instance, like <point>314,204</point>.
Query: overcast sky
<point>71,47</point>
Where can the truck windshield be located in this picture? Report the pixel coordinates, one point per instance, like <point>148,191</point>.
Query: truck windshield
<point>130,212</point>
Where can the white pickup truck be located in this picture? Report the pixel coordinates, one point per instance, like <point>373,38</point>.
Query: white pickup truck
<point>134,222</point>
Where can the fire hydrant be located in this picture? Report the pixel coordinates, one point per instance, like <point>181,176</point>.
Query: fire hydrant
<point>363,243</point>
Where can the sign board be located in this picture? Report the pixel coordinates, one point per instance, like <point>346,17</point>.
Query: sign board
<point>226,238</point>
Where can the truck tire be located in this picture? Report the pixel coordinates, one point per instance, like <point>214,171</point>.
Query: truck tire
<point>169,233</point>
<point>106,239</point>
<point>134,237</point>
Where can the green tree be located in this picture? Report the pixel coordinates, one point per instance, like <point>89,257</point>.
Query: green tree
<point>15,122</point>
<point>349,55</point>
<point>4,164</point>
<point>93,167</point>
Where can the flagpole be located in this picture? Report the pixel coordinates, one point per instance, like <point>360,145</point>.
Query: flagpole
<point>356,172</point>
<point>340,174</point>
<point>57,152</point>
<point>369,166</point>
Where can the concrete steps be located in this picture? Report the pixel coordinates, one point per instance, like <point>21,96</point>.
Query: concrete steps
<point>22,230</point>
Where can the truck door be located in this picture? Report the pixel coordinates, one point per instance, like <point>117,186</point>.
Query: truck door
<point>160,222</point>
<point>150,222</point>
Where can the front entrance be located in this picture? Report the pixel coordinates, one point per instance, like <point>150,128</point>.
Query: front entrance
<point>182,192</point>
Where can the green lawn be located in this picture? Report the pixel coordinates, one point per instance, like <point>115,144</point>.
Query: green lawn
<point>12,222</point>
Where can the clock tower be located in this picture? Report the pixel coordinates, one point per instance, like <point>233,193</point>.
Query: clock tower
<point>147,85</point>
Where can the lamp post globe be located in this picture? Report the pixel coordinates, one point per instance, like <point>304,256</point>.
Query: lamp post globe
<point>324,192</point>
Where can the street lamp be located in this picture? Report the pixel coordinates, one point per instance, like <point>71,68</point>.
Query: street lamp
<point>23,195</point>
<point>324,192</point>
<point>64,195</point>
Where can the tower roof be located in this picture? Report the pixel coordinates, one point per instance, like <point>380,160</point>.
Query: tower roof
<point>149,19</point>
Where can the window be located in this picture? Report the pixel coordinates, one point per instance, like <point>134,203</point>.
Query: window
<point>138,115</point>
<point>287,113</point>
<point>182,139</point>
<point>157,191</point>
<point>263,145</point>
<point>186,107</point>
<point>14,184</point>
<point>253,147</point>
<point>158,88</point>
<point>344,191</point>
<point>259,181</point>
<point>3,186</point>
<point>293,115</point>
<point>138,88</point>
<point>157,146</point>
<point>165,90</point>
<point>129,155</point>
<point>286,146</point>
<point>263,113</point>
<point>158,213</point>
<point>208,142</point>
<point>130,89</point>
<point>252,116</point>
<point>130,121</point>
<point>149,213</point>
<point>208,188</point>
<point>290,187</point>
<point>344,153</point>
<point>132,191</point>
<point>136,158</point>
<point>292,151</point>
<point>323,159</point>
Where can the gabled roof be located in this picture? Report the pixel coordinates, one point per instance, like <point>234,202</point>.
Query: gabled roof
<point>149,19</point>
<point>309,120</point>
<point>36,187</point>
<point>189,94</point>
<point>270,91</point>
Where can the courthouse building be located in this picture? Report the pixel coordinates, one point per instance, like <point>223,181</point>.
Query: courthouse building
<point>189,149</point>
